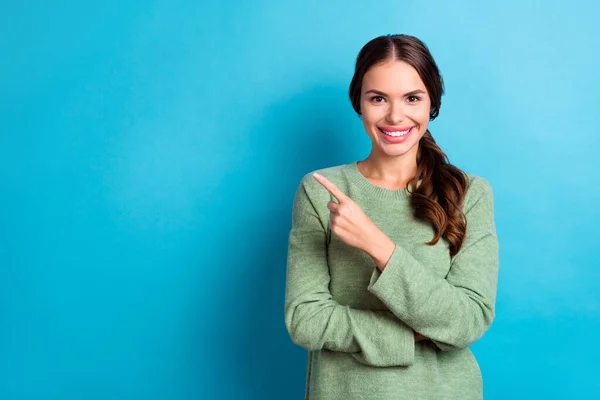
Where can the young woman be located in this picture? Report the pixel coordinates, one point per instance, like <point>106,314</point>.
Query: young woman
<point>392,261</point>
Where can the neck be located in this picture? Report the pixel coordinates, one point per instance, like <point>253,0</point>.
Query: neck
<point>396,171</point>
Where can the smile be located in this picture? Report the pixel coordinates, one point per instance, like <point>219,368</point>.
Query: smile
<point>397,136</point>
<point>396,133</point>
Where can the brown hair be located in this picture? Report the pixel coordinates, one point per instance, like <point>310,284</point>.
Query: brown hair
<point>439,196</point>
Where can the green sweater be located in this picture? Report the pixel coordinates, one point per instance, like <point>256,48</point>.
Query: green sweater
<point>357,322</point>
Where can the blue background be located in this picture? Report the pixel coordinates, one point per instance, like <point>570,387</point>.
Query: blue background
<point>150,151</point>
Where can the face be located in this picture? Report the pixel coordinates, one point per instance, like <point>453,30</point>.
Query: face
<point>395,108</point>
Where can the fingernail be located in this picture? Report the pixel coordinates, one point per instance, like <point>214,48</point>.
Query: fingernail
<point>316,175</point>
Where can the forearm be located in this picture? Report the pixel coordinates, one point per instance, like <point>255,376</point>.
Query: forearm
<point>448,314</point>
<point>375,338</point>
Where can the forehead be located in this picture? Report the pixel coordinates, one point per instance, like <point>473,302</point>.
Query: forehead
<point>392,77</point>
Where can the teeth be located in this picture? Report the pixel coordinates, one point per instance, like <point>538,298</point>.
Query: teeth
<point>397,133</point>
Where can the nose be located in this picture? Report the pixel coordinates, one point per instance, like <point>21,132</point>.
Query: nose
<point>395,113</point>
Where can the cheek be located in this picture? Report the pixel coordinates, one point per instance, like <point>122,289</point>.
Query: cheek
<point>371,115</point>
<point>420,114</point>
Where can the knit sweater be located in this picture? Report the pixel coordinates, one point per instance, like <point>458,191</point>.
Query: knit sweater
<point>358,323</point>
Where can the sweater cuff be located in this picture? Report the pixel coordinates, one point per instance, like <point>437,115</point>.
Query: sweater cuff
<point>380,281</point>
<point>387,285</point>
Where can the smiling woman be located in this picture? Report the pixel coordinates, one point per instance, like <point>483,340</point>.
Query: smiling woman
<point>392,261</point>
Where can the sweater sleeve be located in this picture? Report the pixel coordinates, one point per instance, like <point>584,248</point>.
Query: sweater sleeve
<point>314,320</point>
<point>454,311</point>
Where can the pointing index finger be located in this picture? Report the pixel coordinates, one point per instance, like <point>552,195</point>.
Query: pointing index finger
<point>331,188</point>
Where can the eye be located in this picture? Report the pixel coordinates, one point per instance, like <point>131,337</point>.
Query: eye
<point>377,99</point>
<point>416,98</point>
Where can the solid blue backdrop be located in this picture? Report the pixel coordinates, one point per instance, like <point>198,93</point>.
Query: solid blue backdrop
<point>150,151</point>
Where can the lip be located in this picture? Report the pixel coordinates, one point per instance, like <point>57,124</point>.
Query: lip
<point>399,139</point>
<point>395,128</point>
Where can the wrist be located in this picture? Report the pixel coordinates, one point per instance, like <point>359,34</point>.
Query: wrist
<point>381,250</point>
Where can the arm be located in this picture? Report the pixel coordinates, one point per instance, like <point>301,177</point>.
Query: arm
<point>314,320</point>
<point>456,311</point>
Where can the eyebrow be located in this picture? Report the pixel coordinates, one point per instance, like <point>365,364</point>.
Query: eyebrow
<point>411,93</point>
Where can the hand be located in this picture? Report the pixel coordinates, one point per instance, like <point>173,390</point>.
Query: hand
<point>347,220</point>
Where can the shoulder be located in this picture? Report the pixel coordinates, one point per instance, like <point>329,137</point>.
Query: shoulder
<point>332,173</point>
<point>311,197</point>
<point>336,174</point>
<point>479,194</point>
<point>478,185</point>
<point>310,193</point>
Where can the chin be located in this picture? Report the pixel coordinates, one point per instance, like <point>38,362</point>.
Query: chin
<point>399,152</point>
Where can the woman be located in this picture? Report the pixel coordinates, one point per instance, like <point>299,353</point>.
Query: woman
<point>392,261</point>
